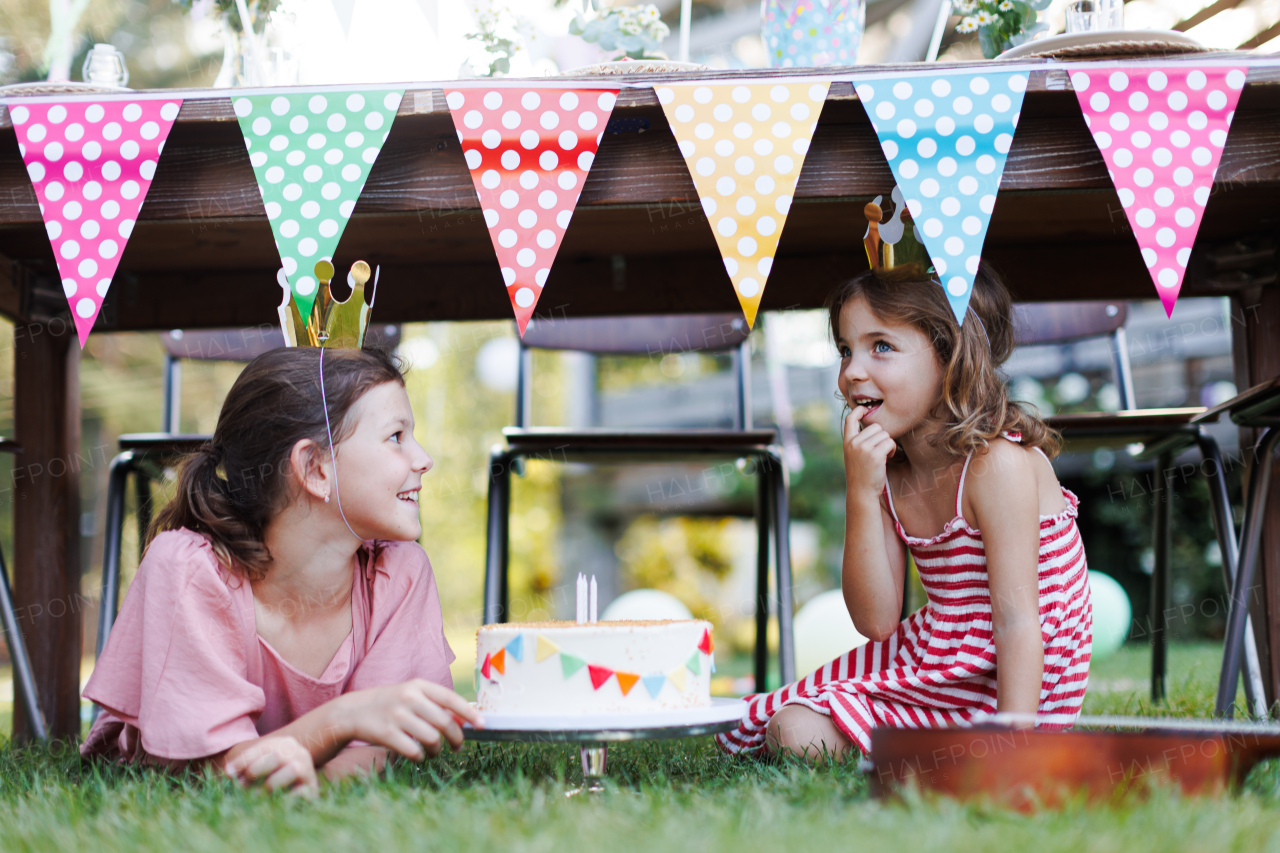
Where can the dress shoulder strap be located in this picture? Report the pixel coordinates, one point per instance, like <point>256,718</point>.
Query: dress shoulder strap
<point>960,484</point>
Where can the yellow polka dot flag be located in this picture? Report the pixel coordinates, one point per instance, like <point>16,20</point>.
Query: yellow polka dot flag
<point>745,145</point>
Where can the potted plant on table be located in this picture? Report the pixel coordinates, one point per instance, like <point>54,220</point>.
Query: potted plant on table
<point>1001,24</point>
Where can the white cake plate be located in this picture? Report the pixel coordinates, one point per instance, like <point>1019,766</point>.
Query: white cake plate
<point>594,732</point>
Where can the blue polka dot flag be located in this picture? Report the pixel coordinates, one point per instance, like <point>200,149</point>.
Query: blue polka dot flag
<point>946,137</point>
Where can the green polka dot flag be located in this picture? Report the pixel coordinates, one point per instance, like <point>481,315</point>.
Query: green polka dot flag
<point>311,154</point>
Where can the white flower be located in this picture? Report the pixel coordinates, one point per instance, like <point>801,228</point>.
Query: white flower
<point>1006,6</point>
<point>983,18</point>
<point>964,7</point>
<point>967,25</point>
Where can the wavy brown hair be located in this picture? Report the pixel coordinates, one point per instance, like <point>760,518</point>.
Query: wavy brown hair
<point>975,405</point>
<point>233,485</point>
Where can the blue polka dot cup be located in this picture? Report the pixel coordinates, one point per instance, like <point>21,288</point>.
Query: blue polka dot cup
<point>806,33</point>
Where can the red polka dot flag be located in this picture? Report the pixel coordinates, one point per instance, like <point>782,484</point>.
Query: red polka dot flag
<point>91,164</point>
<point>1161,129</point>
<point>529,151</point>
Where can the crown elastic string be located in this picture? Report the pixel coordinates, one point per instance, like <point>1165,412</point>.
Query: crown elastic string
<point>333,454</point>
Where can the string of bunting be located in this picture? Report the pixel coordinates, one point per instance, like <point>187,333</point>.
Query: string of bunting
<point>495,664</point>
<point>1160,126</point>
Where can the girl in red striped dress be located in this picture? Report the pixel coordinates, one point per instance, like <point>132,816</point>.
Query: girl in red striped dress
<point>939,462</point>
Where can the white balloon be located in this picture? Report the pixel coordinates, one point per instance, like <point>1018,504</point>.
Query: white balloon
<point>824,631</point>
<point>1112,615</point>
<point>642,604</point>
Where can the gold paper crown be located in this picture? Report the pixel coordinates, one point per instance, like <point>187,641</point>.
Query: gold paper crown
<point>330,323</point>
<point>894,249</point>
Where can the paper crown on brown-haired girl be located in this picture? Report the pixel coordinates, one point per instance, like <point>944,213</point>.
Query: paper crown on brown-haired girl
<point>896,252</point>
<point>330,323</point>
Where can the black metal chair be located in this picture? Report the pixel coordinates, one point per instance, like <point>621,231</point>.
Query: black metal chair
<point>1258,407</point>
<point>23,678</point>
<point>1163,434</point>
<point>145,456</point>
<point>651,335</point>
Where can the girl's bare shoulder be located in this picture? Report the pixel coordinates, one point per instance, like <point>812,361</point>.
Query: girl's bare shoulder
<point>1005,472</point>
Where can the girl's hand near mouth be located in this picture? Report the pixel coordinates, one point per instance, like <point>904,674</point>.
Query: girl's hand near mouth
<point>866,453</point>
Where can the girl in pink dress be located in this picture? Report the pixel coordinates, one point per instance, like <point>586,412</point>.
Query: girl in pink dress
<point>284,619</point>
<point>939,462</point>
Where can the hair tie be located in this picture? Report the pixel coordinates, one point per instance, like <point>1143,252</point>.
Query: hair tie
<point>981,326</point>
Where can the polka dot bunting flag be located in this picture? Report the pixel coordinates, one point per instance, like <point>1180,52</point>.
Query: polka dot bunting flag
<point>744,146</point>
<point>91,164</point>
<point>529,151</point>
<point>1161,129</point>
<point>946,137</point>
<point>311,154</point>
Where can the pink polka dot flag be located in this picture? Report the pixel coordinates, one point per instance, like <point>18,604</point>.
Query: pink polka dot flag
<point>1161,129</point>
<point>91,164</point>
<point>529,151</point>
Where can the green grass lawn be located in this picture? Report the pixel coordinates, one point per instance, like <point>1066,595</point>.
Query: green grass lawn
<point>677,795</point>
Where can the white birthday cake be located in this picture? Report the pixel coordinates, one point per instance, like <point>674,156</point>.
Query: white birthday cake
<point>594,667</point>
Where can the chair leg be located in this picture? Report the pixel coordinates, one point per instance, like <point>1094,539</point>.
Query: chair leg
<point>496,557</point>
<point>24,680</point>
<point>142,486</point>
<point>113,539</point>
<point>1242,589</point>
<point>1224,526</point>
<point>1162,510</point>
<point>782,545</point>
<point>764,515</point>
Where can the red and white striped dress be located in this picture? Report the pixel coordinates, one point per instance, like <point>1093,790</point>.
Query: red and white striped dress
<point>939,668</point>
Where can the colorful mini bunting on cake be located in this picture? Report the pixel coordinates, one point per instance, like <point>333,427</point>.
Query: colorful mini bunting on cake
<point>499,661</point>
<point>529,151</point>
<point>546,648</point>
<point>676,677</point>
<point>599,675</point>
<point>515,648</point>
<point>705,645</point>
<point>946,137</point>
<point>745,146</point>
<point>570,664</point>
<point>1161,129</point>
<point>693,664</point>
<point>484,667</point>
<point>654,684</point>
<point>311,154</point>
<point>91,164</point>
<point>627,680</point>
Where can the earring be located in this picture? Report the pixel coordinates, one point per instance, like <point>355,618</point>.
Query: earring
<point>326,498</point>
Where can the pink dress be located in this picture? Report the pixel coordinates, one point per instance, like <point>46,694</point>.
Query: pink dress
<point>939,668</point>
<point>185,674</point>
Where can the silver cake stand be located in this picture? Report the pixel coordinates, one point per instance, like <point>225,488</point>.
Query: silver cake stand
<point>594,732</point>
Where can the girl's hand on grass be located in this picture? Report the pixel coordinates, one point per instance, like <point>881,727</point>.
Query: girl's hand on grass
<point>866,452</point>
<point>278,762</point>
<point>415,718</point>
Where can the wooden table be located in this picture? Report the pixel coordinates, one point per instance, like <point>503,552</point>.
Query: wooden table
<point>202,255</point>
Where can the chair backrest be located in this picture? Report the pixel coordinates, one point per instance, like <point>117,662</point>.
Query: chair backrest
<point>241,345</point>
<point>650,335</point>
<point>1065,322</point>
<point>639,335</point>
<point>1068,322</point>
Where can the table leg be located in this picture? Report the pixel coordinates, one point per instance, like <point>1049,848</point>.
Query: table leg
<point>1162,511</point>
<point>593,757</point>
<point>764,516</point>
<point>1250,539</point>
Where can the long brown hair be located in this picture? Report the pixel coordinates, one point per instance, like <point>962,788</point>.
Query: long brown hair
<point>975,405</point>
<point>232,486</point>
